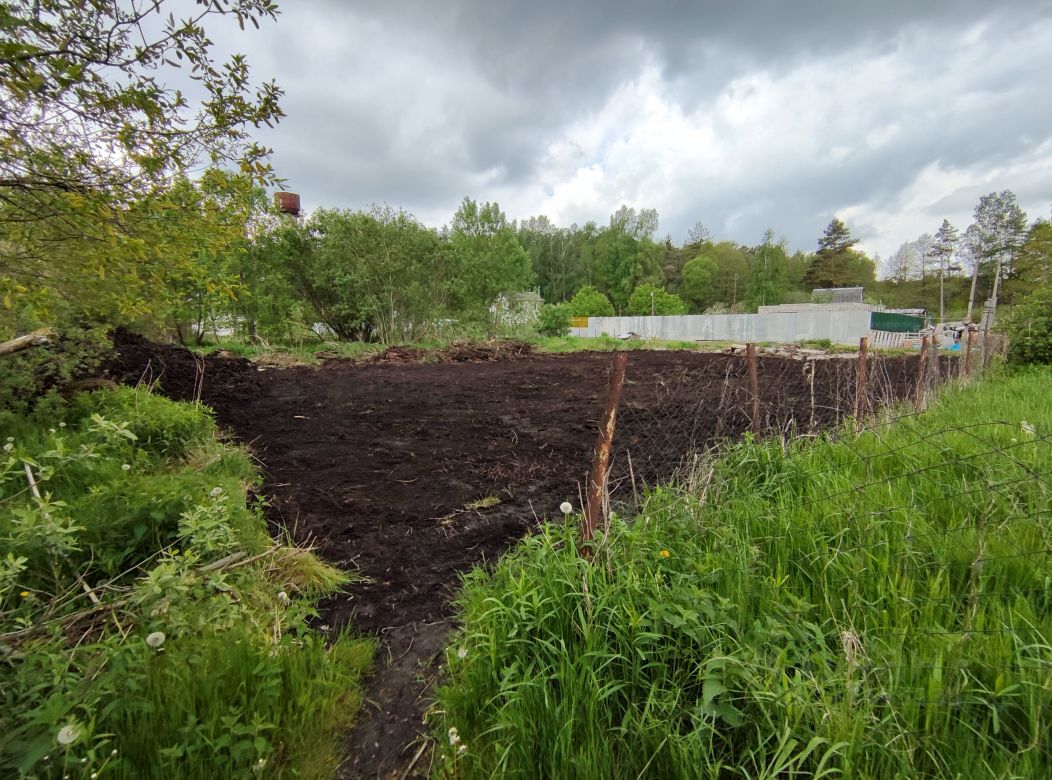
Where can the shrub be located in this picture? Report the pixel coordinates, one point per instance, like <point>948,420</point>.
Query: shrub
<point>589,302</point>
<point>554,320</point>
<point>141,635</point>
<point>1028,326</point>
<point>651,299</point>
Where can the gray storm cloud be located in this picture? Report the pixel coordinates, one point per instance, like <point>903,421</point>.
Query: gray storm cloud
<point>740,115</point>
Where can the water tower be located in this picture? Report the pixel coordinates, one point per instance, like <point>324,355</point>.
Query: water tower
<point>287,203</point>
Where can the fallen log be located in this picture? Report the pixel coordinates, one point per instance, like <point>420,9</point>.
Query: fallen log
<point>34,339</point>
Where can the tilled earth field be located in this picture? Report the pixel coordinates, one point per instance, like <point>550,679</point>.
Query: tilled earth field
<point>411,473</point>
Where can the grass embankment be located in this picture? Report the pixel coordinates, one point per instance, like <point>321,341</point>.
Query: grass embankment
<point>149,625</point>
<point>869,608</point>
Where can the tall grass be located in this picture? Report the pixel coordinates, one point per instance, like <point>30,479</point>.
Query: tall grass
<point>150,627</point>
<point>865,608</point>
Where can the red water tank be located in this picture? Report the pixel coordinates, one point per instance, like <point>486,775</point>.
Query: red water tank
<point>287,203</point>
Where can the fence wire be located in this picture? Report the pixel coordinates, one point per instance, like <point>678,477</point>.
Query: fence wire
<point>925,553</point>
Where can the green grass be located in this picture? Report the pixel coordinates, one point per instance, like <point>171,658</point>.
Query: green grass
<point>809,610</point>
<point>190,657</point>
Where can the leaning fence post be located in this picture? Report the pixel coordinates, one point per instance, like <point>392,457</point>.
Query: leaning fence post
<point>968,355</point>
<point>918,401</point>
<point>860,385</point>
<point>933,363</point>
<point>754,388</point>
<point>601,461</point>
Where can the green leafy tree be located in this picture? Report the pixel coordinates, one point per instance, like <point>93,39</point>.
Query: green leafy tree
<point>1028,326</point>
<point>374,275</point>
<point>994,238</point>
<point>651,299</point>
<point>696,286</point>
<point>487,257</point>
<point>589,302</point>
<point>624,255</point>
<point>555,255</point>
<point>93,137</point>
<point>554,319</point>
<point>768,272</point>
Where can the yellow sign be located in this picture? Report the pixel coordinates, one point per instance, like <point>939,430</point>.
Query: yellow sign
<point>578,322</point>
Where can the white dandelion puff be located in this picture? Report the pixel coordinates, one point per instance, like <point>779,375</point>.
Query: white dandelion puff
<point>283,597</point>
<point>8,447</point>
<point>566,507</point>
<point>125,467</point>
<point>454,737</point>
<point>156,639</point>
<point>68,734</point>
<point>216,492</point>
<point>462,653</point>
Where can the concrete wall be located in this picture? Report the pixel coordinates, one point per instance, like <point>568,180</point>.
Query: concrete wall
<point>841,326</point>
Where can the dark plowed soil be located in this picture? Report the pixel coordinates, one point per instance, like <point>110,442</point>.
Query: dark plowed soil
<point>412,473</point>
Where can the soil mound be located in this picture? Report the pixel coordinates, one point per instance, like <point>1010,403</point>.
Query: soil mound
<point>219,380</point>
<point>458,352</point>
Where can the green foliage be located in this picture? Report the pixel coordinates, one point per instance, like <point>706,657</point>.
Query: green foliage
<point>1028,325</point>
<point>554,319</point>
<point>186,666</point>
<point>768,273</point>
<point>487,257</point>
<point>97,220</point>
<point>696,286</point>
<point>719,274</point>
<point>795,617</point>
<point>589,302</point>
<point>624,256</point>
<point>651,299</point>
<point>26,376</point>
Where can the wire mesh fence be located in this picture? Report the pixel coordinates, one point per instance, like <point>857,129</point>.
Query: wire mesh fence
<point>663,424</point>
<point>917,548</point>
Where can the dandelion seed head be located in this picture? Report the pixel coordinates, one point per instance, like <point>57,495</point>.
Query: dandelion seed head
<point>462,653</point>
<point>454,737</point>
<point>566,507</point>
<point>156,639</point>
<point>8,447</point>
<point>125,467</point>
<point>283,597</point>
<point>61,425</point>
<point>68,734</point>
<point>216,492</point>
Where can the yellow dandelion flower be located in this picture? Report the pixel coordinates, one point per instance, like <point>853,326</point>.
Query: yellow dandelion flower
<point>664,553</point>
<point>24,594</point>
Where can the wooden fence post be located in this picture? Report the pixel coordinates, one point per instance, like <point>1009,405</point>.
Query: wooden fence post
<point>754,388</point>
<point>968,355</point>
<point>933,363</point>
<point>860,385</point>
<point>918,401</point>
<point>601,461</point>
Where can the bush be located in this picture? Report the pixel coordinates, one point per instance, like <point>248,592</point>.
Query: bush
<point>651,299</point>
<point>1028,326</point>
<point>589,302</point>
<point>554,320</point>
<point>141,636</point>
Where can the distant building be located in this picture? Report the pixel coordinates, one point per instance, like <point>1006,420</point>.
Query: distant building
<point>836,295</point>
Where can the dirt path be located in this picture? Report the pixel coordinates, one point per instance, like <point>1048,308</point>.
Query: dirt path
<point>412,473</point>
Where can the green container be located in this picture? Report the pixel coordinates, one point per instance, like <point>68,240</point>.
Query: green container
<point>895,323</point>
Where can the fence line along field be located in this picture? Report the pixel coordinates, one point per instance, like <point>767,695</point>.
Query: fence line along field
<point>411,473</point>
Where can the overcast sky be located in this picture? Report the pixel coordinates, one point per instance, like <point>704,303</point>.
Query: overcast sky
<point>741,115</point>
